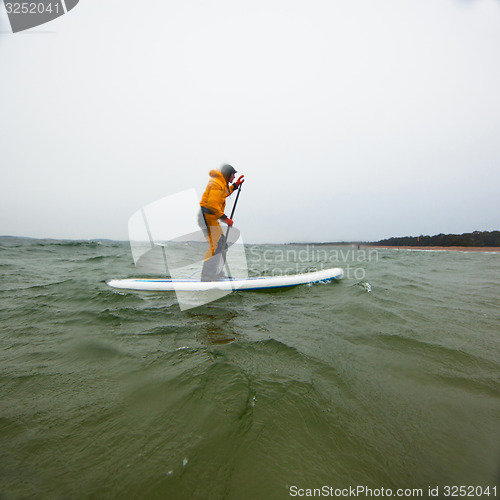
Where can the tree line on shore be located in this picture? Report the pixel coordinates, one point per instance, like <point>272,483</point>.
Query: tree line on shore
<point>475,239</point>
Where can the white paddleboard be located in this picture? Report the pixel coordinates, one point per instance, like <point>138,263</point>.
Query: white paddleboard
<point>192,285</point>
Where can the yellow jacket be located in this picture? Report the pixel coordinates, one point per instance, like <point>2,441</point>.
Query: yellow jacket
<point>214,197</point>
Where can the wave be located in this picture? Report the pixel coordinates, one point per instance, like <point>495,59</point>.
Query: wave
<point>447,355</point>
<point>69,243</point>
<point>37,286</point>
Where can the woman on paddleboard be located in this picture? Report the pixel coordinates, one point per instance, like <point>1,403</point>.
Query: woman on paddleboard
<point>213,203</point>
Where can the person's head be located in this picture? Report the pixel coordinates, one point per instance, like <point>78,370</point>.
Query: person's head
<point>228,172</point>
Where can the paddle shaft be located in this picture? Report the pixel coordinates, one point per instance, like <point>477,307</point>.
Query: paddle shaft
<point>234,208</point>
<point>228,228</point>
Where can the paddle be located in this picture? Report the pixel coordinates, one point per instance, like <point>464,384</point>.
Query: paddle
<point>228,229</point>
<point>234,208</point>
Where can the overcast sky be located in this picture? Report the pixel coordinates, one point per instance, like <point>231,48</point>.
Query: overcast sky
<point>351,119</point>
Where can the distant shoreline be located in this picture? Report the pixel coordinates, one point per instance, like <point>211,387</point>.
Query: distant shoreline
<point>359,245</point>
<point>451,249</point>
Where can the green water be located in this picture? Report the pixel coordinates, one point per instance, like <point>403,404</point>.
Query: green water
<point>108,394</point>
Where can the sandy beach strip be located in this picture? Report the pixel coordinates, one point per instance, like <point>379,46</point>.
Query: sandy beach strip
<point>450,249</point>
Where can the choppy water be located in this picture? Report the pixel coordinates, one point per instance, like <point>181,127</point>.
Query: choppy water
<point>390,378</point>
